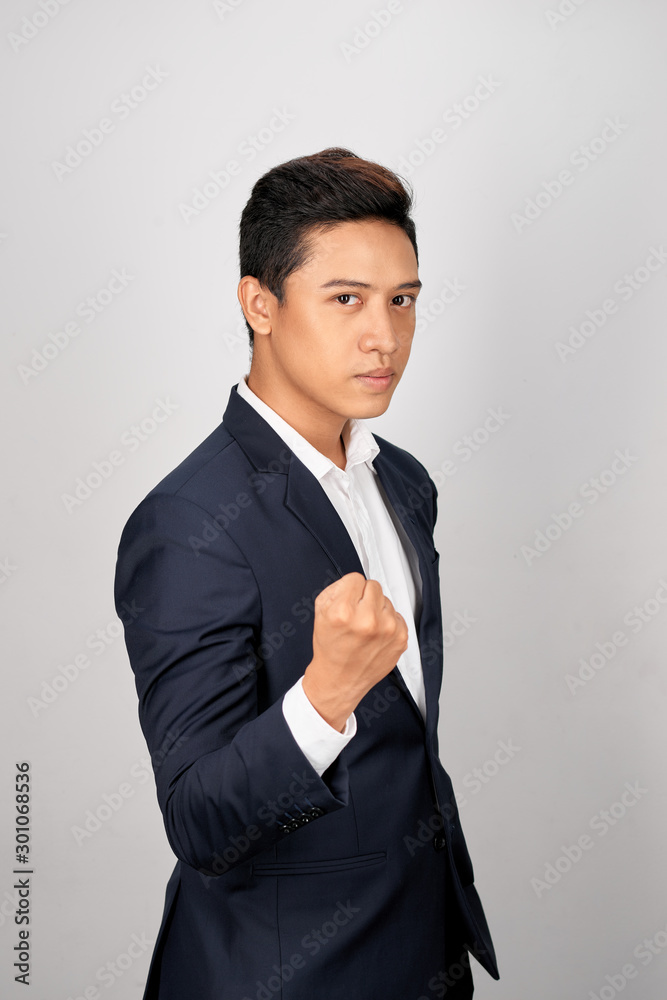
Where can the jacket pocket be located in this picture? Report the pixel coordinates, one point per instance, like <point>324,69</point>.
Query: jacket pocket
<point>320,867</point>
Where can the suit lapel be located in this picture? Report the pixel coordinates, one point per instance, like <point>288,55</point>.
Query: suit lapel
<point>306,499</point>
<point>397,493</point>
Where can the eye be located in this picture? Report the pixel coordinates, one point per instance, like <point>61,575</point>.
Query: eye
<point>407,300</point>
<point>346,295</point>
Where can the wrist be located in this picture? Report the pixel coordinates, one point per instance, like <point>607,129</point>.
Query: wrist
<point>331,705</point>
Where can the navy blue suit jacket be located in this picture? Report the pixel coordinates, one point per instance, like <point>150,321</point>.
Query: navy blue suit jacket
<point>355,884</point>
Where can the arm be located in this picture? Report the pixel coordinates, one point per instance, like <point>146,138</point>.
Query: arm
<point>220,765</point>
<point>320,742</point>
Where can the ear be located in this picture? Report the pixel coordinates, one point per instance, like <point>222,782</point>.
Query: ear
<point>255,303</point>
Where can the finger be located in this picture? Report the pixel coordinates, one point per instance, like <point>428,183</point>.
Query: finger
<point>347,588</point>
<point>328,594</point>
<point>405,626</point>
<point>373,594</point>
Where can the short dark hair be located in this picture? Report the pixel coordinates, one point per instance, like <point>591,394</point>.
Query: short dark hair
<point>309,195</point>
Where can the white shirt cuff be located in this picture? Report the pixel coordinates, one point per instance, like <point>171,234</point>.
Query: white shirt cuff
<point>319,741</point>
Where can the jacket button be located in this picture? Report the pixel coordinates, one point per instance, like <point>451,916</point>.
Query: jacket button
<point>439,843</point>
<point>315,812</point>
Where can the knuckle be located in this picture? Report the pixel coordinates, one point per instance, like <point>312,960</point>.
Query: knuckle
<point>366,625</point>
<point>387,626</point>
<point>339,614</point>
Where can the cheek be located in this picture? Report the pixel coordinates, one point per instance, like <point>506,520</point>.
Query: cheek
<point>319,341</point>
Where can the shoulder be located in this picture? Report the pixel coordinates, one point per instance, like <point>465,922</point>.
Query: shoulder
<point>403,460</point>
<point>421,491</point>
<point>202,464</point>
<point>205,478</point>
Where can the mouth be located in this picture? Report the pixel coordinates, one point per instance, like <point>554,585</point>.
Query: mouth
<point>381,378</point>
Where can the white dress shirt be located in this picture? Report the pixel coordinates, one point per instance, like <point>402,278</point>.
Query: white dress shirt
<point>385,552</point>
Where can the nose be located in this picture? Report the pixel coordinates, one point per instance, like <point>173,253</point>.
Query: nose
<point>379,334</point>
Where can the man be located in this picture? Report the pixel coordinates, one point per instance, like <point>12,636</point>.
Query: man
<point>288,655</point>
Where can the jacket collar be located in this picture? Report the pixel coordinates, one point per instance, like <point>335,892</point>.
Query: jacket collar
<point>268,452</point>
<point>305,497</point>
<point>360,445</point>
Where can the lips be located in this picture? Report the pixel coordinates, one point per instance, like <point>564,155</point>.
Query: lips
<point>377,383</point>
<point>377,373</point>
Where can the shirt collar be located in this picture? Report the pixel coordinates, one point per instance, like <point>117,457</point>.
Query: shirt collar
<point>360,445</point>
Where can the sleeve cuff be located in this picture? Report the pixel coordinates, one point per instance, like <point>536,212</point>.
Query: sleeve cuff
<point>319,741</point>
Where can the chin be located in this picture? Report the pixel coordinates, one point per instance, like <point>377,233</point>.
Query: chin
<point>374,407</point>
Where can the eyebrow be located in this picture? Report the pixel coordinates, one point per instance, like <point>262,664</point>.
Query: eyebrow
<point>349,283</point>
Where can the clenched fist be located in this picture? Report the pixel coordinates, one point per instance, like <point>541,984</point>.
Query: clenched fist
<point>358,637</point>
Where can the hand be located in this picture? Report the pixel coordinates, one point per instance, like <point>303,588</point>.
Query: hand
<point>357,639</point>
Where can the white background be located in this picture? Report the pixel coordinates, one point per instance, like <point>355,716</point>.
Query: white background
<point>174,333</point>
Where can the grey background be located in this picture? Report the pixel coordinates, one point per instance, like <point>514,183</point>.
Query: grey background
<point>175,334</point>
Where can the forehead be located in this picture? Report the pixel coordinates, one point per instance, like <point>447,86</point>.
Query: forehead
<point>362,250</point>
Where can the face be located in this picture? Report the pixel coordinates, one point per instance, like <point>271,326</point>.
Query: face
<point>339,344</point>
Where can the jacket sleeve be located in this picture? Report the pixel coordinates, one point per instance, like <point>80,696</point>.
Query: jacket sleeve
<point>231,780</point>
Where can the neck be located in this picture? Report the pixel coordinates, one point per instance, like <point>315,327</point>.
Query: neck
<point>324,430</point>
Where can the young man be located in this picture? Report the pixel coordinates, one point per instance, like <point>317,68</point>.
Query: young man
<point>288,655</point>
